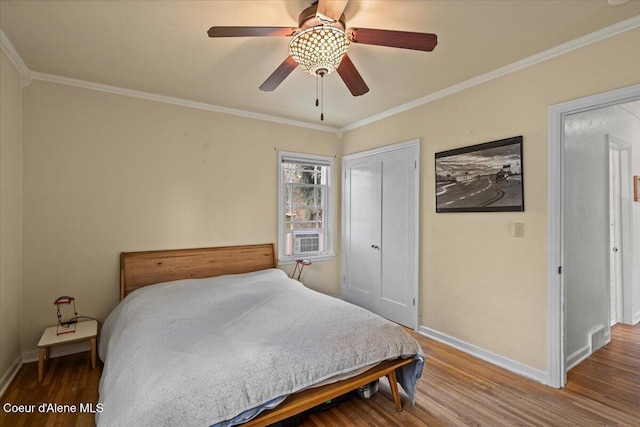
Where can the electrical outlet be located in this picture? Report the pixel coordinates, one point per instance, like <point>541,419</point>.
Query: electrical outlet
<point>518,229</point>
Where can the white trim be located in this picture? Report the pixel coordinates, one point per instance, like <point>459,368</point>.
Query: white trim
<point>7,47</point>
<point>597,36</point>
<point>486,355</point>
<point>314,258</point>
<point>25,80</point>
<point>176,101</point>
<point>13,55</point>
<point>578,356</point>
<point>580,42</point>
<point>636,318</point>
<point>397,146</point>
<point>556,369</point>
<point>27,76</point>
<point>555,259</point>
<point>329,223</point>
<point>583,353</point>
<point>416,290</point>
<point>10,374</point>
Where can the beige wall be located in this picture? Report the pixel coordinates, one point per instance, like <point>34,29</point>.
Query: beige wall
<point>106,173</point>
<point>10,213</point>
<point>479,284</point>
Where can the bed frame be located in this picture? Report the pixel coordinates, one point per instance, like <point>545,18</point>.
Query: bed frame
<point>138,269</point>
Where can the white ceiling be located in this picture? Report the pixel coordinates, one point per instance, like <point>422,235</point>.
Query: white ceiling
<point>161,47</point>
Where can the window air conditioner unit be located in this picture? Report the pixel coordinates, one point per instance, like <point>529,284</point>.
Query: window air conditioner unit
<point>307,242</point>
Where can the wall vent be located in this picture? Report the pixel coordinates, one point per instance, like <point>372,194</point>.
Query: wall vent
<point>599,337</point>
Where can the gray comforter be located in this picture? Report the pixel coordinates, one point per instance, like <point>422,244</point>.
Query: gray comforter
<point>200,352</point>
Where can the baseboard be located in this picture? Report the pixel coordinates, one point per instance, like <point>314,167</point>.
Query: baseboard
<point>58,351</point>
<point>578,356</point>
<point>10,374</point>
<point>486,355</point>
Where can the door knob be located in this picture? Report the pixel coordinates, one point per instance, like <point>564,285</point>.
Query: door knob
<point>375,247</point>
<point>615,249</point>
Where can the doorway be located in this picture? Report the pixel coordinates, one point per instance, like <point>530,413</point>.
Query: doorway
<point>620,218</point>
<point>579,233</point>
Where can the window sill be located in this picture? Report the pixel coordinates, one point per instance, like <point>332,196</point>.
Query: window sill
<point>312,258</point>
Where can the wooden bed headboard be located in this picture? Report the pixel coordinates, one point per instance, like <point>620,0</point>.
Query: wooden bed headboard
<point>138,269</point>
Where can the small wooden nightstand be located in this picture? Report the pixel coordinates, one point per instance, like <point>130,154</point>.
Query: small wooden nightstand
<point>84,331</point>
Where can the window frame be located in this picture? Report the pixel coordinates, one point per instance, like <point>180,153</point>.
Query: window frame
<point>313,159</point>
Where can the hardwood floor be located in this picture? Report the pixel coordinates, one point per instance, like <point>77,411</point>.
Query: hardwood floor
<point>455,390</point>
<point>67,380</point>
<point>612,374</point>
<point>459,390</point>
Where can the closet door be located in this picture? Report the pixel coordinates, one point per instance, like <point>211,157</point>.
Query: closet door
<point>361,234</point>
<point>379,239</point>
<point>398,242</point>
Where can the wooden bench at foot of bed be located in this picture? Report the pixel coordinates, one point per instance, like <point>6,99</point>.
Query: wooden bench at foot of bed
<point>307,399</point>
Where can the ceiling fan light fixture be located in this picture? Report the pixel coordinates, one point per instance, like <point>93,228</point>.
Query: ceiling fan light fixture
<point>320,49</point>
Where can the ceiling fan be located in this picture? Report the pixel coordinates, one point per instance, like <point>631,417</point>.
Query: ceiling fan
<point>320,42</point>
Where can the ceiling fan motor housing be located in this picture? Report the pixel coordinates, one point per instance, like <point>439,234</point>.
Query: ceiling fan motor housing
<point>309,18</point>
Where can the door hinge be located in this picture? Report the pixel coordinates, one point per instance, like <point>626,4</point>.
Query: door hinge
<point>415,164</point>
<point>414,301</point>
<point>560,270</point>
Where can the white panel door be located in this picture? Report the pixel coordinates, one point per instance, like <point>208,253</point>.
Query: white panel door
<point>380,232</point>
<point>399,236</point>
<point>362,231</point>
<point>615,262</point>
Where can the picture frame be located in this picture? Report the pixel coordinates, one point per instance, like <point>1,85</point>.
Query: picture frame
<point>636,188</point>
<point>486,177</point>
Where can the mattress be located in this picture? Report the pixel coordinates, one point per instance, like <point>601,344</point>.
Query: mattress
<point>218,351</point>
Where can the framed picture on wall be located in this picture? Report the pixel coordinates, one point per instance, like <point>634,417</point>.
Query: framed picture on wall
<point>481,178</point>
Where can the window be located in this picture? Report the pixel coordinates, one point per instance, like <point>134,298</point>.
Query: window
<point>304,226</point>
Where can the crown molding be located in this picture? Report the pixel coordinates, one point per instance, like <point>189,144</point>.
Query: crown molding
<point>24,74</point>
<point>176,101</point>
<point>597,36</point>
<point>27,76</point>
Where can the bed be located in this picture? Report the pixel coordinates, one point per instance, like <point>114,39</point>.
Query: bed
<point>224,338</point>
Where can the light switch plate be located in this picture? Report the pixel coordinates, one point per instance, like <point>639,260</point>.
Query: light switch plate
<point>518,229</point>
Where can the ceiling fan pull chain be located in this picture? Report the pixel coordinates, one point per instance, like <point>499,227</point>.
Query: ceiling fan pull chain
<point>322,97</point>
<point>317,103</point>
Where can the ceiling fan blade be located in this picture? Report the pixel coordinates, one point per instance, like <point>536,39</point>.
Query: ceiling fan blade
<point>402,39</point>
<point>251,31</point>
<point>331,9</point>
<point>351,77</point>
<point>277,77</point>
